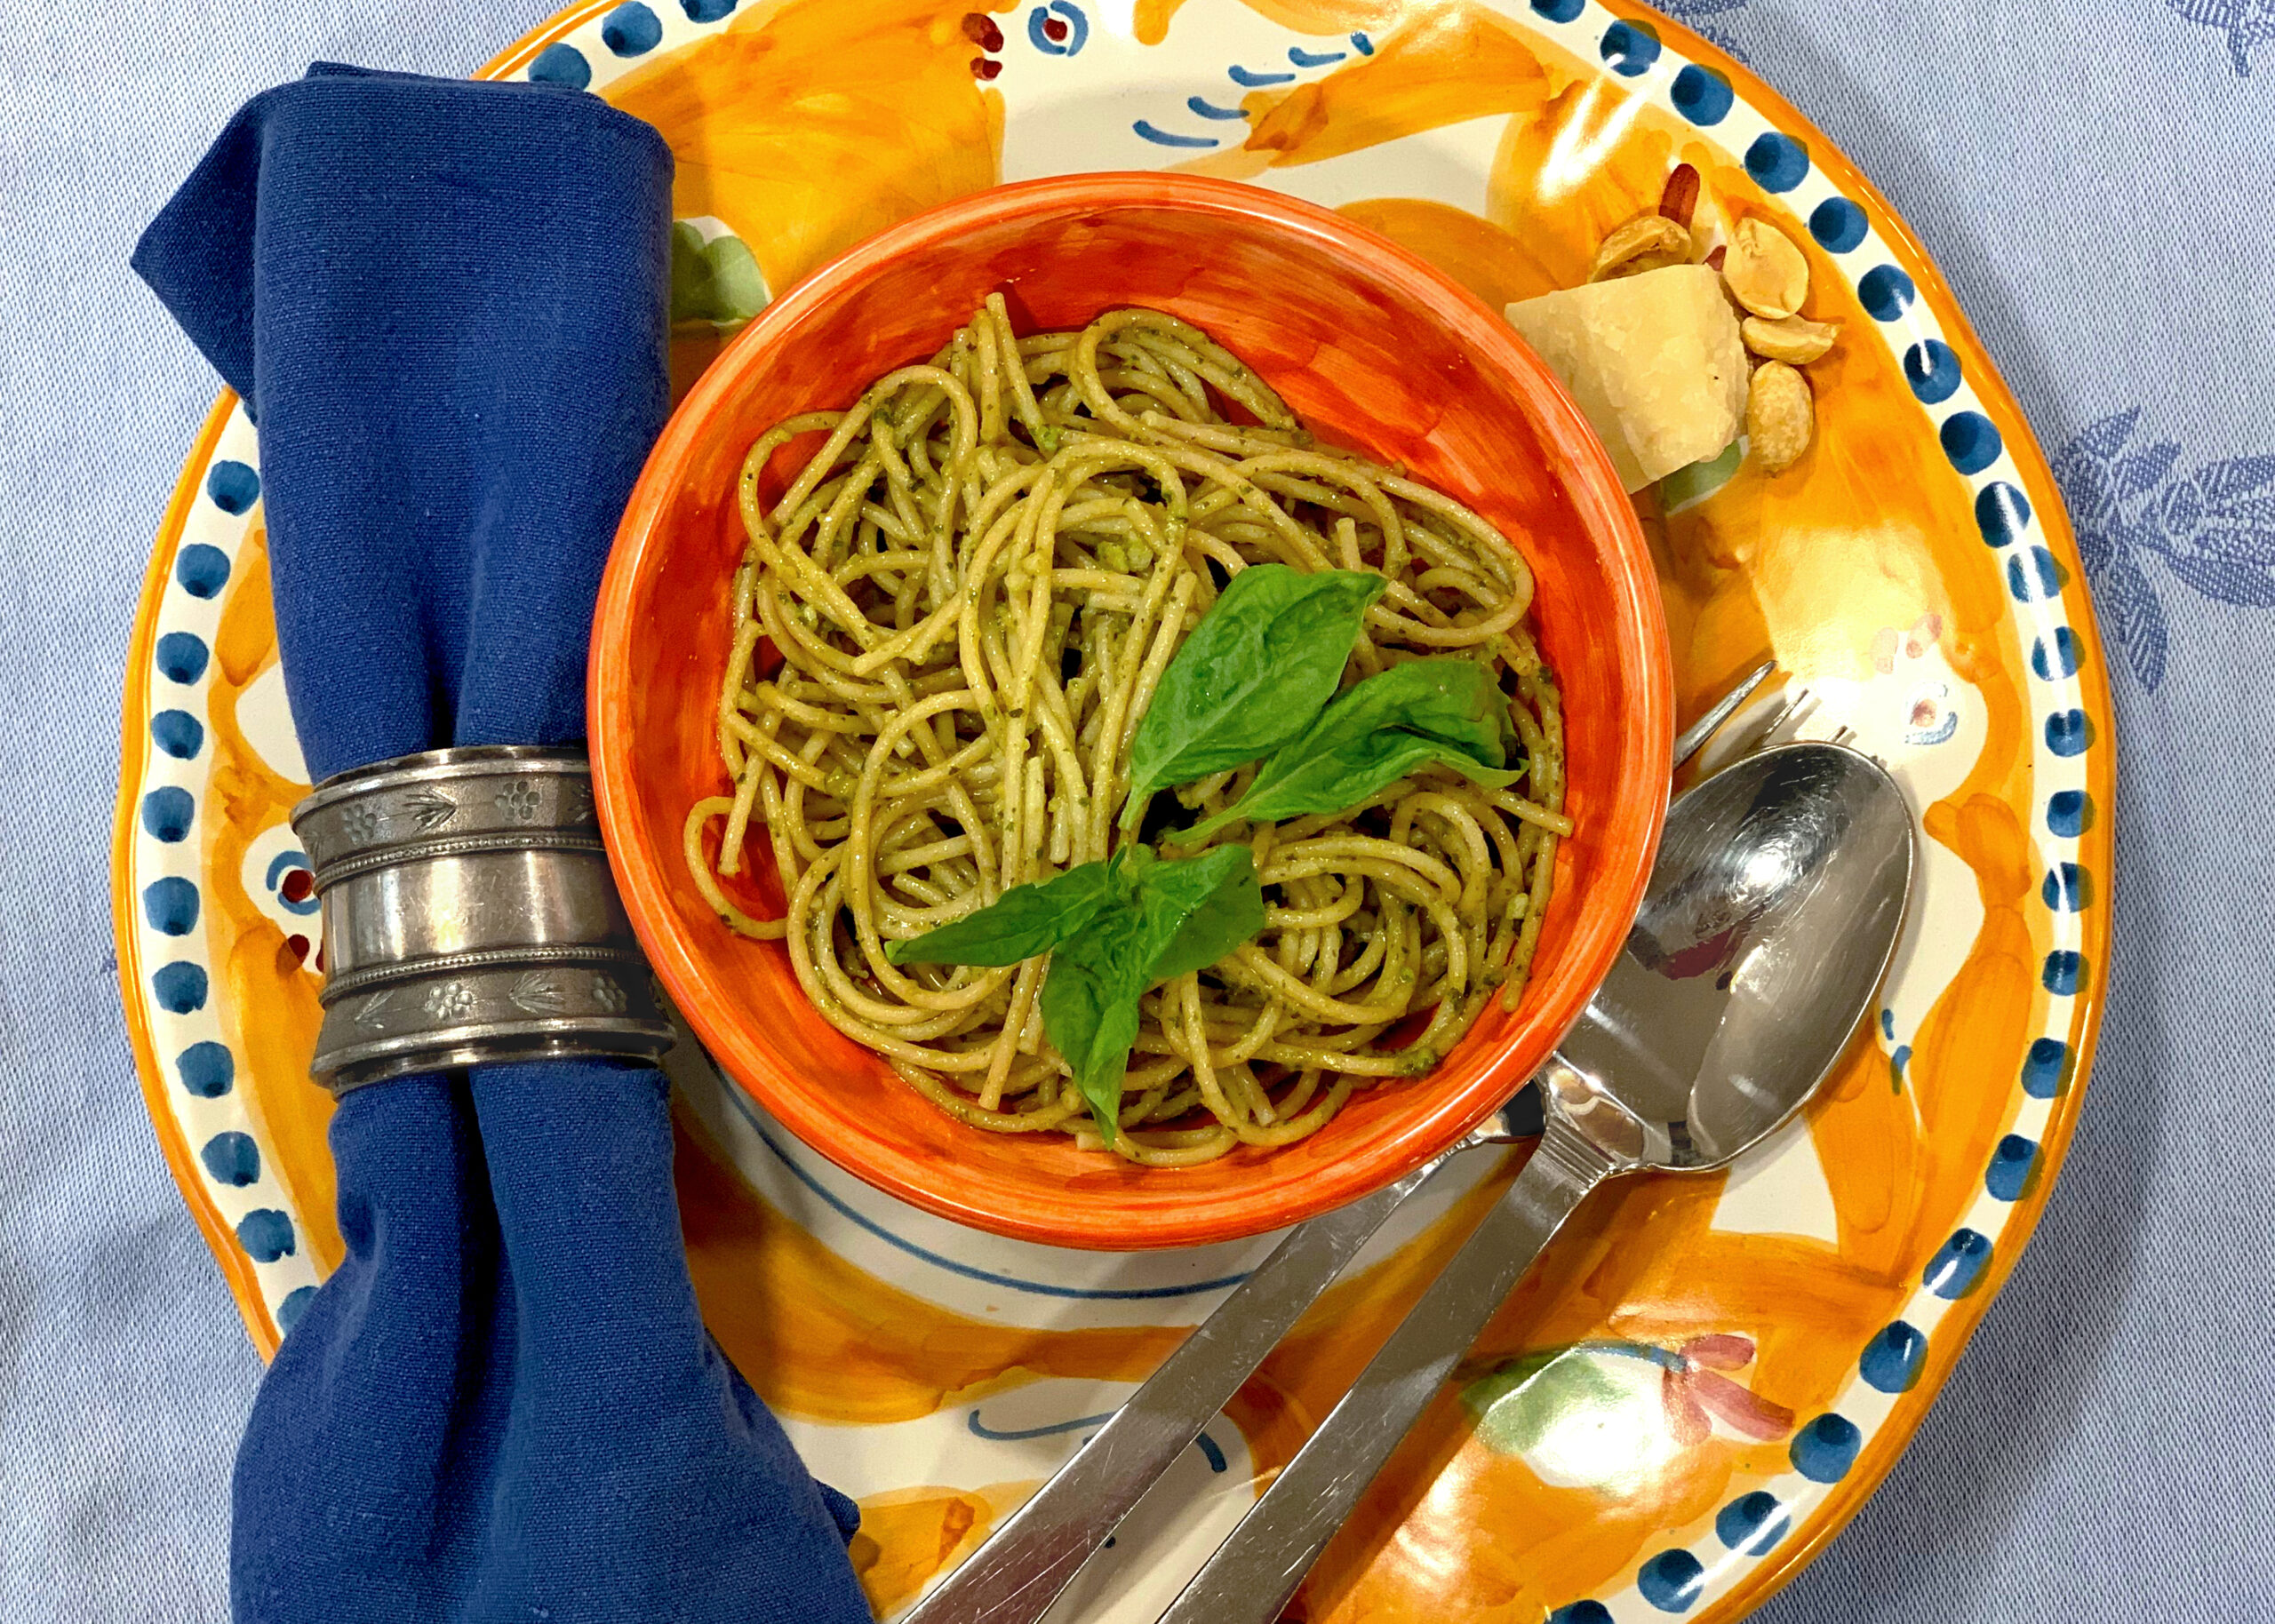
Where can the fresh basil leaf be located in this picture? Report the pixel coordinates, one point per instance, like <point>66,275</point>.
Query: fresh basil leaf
<point>1447,711</point>
<point>1127,870</point>
<point>1025,921</point>
<point>1092,1021</point>
<point>1091,1015</point>
<point>1178,917</point>
<point>1259,665</point>
<point>1214,902</point>
<point>1114,930</point>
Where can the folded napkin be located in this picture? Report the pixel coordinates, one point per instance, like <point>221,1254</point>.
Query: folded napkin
<point>444,304</point>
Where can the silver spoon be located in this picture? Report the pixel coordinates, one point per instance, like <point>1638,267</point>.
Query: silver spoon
<point>1772,914</point>
<point>1014,1577</point>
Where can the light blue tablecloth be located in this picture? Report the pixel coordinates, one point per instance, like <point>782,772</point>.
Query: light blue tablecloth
<point>2094,177</point>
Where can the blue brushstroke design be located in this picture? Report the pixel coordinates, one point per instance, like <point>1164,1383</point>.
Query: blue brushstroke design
<point>1016,1434</point>
<point>1251,80</point>
<point>1211,1450</point>
<point>1942,732</point>
<point>1665,1358</point>
<point>1078,24</point>
<point>1163,137</point>
<point>1209,109</point>
<point>1361,43</point>
<point>283,863</point>
<point>1302,58</point>
<point>1078,29</point>
<point>1033,1287</point>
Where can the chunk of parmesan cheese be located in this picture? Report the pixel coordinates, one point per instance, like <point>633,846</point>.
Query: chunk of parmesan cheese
<point>1655,362</point>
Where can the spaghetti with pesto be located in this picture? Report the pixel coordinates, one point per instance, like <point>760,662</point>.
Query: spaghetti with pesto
<point>947,630</point>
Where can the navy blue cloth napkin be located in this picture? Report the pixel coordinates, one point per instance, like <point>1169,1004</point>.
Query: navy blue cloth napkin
<point>444,303</point>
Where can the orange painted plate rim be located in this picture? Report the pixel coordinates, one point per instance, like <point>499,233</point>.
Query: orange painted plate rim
<point>2093,844</point>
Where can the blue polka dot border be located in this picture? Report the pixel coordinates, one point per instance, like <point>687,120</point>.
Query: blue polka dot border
<point>1629,49</point>
<point>1701,96</point>
<point>562,63</point>
<point>1752,1522</point>
<point>1893,1368</point>
<point>1839,225</point>
<point>1777,162</point>
<point>164,958</point>
<point>199,1071</point>
<point>1672,1581</point>
<point>621,38</point>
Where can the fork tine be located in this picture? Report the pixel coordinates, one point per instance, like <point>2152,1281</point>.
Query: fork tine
<point>1687,743</point>
<point>1799,706</point>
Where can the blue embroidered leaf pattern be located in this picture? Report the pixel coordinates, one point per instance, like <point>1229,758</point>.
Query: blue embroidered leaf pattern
<point>2082,466</point>
<point>2234,476</point>
<point>2253,545</point>
<point>2087,486</point>
<point>2179,510</point>
<point>2245,22</point>
<point>2104,439</point>
<point>2097,543</point>
<point>2252,512</point>
<point>2145,469</point>
<point>2230,580</point>
<point>2213,526</point>
<point>2130,611</point>
<point>2128,608</point>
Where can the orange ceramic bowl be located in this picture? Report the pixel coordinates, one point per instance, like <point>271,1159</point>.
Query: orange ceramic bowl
<point>1375,351</point>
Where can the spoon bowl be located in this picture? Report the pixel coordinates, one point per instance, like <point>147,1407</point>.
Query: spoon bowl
<point>1771,916</point>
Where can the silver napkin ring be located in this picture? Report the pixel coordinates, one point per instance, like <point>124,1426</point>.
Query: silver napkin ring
<point>469,918</point>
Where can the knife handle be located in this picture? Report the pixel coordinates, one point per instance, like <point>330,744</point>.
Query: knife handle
<point>1258,1568</point>
<point>1014,1577</point>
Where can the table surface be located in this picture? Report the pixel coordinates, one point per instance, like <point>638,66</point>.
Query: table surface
<point>2092,175</point>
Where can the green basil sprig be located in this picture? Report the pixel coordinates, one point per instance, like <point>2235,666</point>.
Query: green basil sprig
<point>1255,680</point>
<point>1025,921</point>
<point>1376,732</point>
<point>1114,930</point>
<point>1263,660</point>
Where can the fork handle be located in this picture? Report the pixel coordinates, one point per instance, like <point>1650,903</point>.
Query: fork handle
<point>1258,1568</point>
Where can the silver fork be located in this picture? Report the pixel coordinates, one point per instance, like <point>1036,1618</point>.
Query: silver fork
<point>1014,1577</point>
<point>1781,725</point>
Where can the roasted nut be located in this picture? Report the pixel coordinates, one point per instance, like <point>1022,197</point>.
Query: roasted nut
<point>1647,242</point>
<point>1780,416</point>
<point>1678,200</point>
<point>1796,340</point>
<point>1766,272</point>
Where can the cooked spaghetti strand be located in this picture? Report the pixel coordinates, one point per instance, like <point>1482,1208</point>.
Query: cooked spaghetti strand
<point>945,628</point>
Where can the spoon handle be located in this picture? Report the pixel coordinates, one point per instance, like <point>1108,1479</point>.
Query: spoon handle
<point>1017,1575</point>
<point>1256,1569</point>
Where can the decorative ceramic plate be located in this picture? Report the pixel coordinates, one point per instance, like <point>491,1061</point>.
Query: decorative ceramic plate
<point>1707,1376</point>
